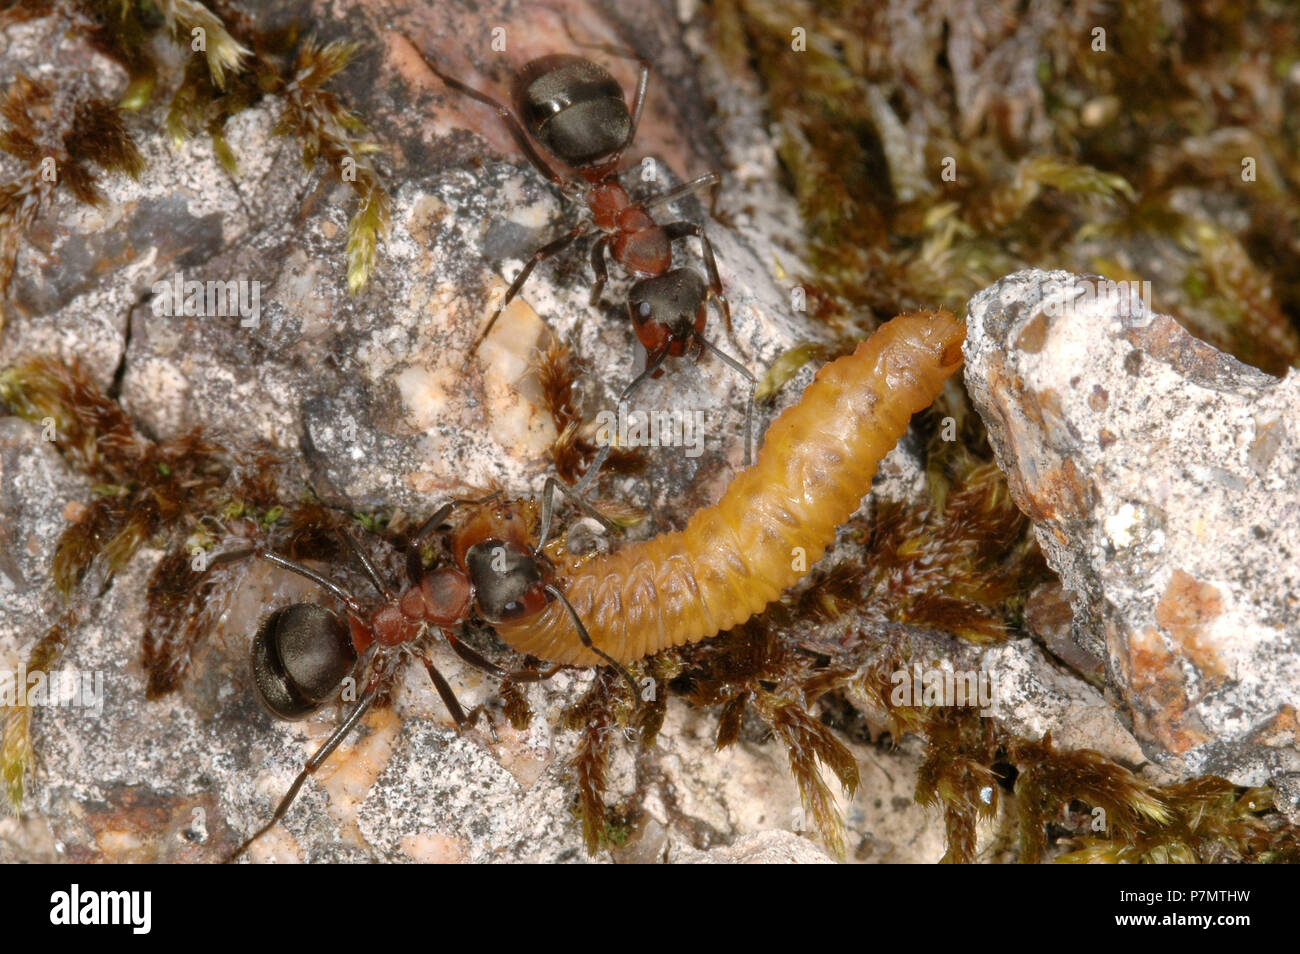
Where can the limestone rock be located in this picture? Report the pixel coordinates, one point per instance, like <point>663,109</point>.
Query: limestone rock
<point>1163,479</point>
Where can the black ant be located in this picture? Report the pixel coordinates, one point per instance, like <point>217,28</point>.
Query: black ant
<point>303,652</point>
<point>575,110</point>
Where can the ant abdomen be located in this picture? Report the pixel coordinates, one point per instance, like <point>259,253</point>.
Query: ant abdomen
<point>574,107</point>
<point>300,656</point>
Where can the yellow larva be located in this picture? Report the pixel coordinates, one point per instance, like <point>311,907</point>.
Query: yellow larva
<point>735,557</point>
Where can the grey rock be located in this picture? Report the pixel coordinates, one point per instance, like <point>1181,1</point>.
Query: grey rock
<point>1286,796</point>
<point>1163,479</point>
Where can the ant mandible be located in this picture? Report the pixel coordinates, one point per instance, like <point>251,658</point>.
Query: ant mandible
<point>575,110</point>
<point>303,652</point>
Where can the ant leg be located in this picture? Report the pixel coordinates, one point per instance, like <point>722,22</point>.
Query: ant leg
<point>710,180</point>
<point>653,363</point>
<point>473,657</point>
<point>444,691</point>
<point>575,498</point>
<point>512,124</point>
<point>531,675</point>
<point>677,230</point>
<point>318,759</point>
<point>638,103</point>
<point>753,387</point>
<point>585,637</point>
<point>543,253</point>
<point>445,510</point>
<point>589,478</point>
<point>462,719</point>
<point>414,563</point>
<point>478,661</point>
<point>600,267</point>
<point>285,563</point>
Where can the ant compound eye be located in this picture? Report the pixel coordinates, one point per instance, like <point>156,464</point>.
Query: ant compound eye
<point>300,656</point>
<point>644,309</point>
<point>533,601</point>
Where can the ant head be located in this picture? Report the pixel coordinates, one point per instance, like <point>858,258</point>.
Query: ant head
<point>668,310</point>
<point>509,582</point>
<point>574,108</point>
<point>300,656</point>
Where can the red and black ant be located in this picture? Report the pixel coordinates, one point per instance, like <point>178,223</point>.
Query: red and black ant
<point>303,653</point>
<point>576,112</point>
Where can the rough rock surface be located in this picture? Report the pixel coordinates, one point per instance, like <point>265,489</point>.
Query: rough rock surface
<point>1163,479</point>
<point>367,392</point>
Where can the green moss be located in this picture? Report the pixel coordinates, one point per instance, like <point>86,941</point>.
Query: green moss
<point>234,66</point>
<point>870,117</point>
<point>169,493</point>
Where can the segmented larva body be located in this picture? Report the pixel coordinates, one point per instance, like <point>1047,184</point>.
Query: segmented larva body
<point>735,557</point>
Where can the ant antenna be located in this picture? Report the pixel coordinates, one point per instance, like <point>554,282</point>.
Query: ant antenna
<point>585,637</point>
<point>753,389</point>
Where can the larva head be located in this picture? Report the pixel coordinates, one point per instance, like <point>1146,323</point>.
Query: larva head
<point>300,657</point>
<point>915,348</point>
<point>574,108</point>
<point>509,580</point>
<point>669,310</point>
<point>939,334</point>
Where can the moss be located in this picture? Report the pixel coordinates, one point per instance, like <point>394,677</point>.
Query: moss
<point>60,140</point>
<point>557,370</point>
<point>596,718</point>
<point>173,494</point>
<point>16,752</point>
<point>927,163</point>
<point>241,66</point>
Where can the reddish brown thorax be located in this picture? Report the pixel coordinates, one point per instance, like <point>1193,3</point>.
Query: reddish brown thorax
<point>391,626</point>
<point>640,244</point>
<point>607,200</point>
<point>442,598</point>
<point>636,240</point>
